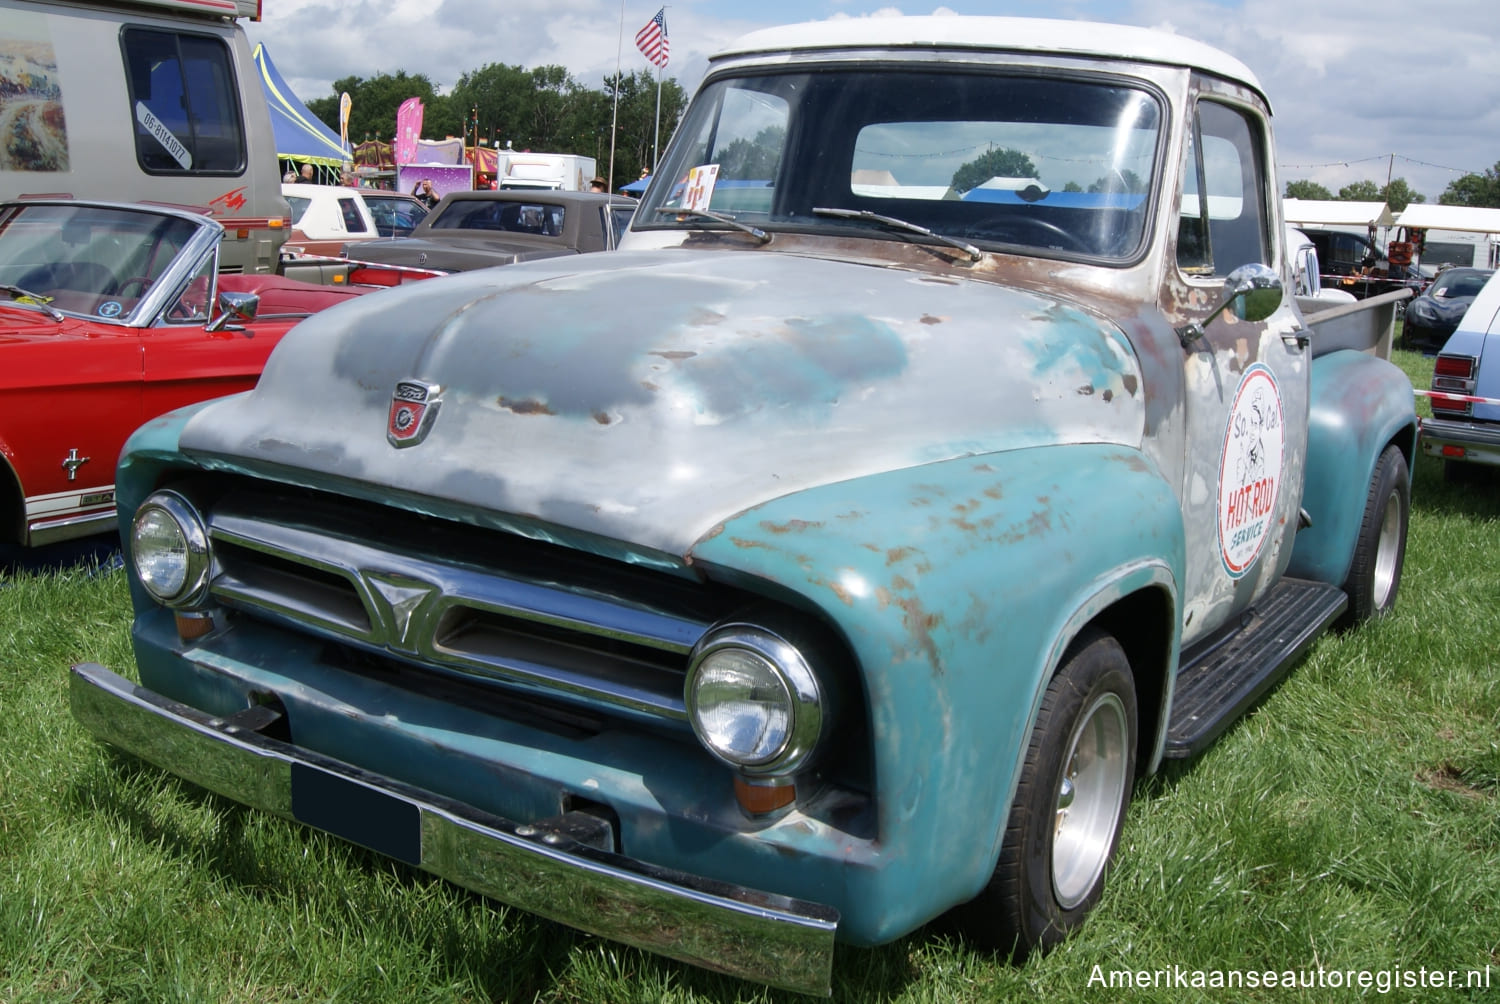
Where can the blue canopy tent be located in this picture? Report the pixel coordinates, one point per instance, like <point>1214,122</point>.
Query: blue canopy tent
<point>301,138</point>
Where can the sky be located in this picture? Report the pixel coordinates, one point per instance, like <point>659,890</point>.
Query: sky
<point>1360,89</point>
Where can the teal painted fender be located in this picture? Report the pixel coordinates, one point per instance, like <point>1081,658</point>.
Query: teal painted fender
<point>957,586</point>
<point>1358,405</point>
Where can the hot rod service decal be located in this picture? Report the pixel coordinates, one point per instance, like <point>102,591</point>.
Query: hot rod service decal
<point>1250,471</point>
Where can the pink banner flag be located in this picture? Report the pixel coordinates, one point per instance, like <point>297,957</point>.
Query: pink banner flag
<point>408,130</point>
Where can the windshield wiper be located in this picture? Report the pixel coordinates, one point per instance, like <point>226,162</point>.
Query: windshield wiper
<point>27,298</point>
<point>724,218</point>
<point>890,221</point>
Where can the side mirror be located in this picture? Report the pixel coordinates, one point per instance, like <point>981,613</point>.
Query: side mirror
<point>1253,291</point>
<point>236,306</point>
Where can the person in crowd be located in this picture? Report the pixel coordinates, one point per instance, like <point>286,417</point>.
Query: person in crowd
<point>598,185</point>
<point>425,193</point>
<point>307,175</point>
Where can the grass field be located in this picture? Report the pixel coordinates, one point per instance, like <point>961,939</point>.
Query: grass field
<point>1351,822</point>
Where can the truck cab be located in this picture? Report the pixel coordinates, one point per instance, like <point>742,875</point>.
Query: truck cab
<point>151,101</point>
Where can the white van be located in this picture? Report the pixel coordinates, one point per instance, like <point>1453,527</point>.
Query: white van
<point>148,101</point>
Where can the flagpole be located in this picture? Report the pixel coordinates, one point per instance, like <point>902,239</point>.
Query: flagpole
<point>614,121</point>
<point>656,140</point>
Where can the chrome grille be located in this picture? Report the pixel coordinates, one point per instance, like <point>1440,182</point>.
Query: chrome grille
<point>464,601</point>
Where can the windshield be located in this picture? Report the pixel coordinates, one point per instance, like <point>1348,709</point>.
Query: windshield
<point>1459,283</point>
<point>506,217</point>
<point>89,260</point>
<point>1055,164</point>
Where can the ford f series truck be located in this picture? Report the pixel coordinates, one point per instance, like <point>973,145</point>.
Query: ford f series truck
<point>944,448</point>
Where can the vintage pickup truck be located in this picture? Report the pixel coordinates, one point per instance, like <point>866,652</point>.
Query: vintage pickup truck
<point>944,448</point>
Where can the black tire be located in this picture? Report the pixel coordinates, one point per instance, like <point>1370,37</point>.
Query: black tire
<point>1070,805</point>
<point>1380,549</point>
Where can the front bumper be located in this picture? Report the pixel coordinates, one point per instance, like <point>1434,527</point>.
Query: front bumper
<point>542,868</point>
<point>1469,442</point>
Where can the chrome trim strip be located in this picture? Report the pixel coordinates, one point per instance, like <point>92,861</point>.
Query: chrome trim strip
<point>439,614</point>
<point>50,531</point>
<point>743,932</point>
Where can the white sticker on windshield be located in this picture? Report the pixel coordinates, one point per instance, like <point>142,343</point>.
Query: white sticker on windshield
<point>700,186</point>
<point>157,128</point>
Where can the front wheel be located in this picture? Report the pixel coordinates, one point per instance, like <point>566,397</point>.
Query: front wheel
<point>1070,804</point>
<point>1380,549</point>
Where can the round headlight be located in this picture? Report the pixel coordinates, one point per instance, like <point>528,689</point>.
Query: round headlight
<point>169,548</point>
<point>753,701</point>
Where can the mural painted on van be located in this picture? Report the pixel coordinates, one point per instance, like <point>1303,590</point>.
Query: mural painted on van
<point>33,130</point>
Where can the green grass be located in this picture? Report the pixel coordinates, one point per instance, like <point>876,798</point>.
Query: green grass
<point>1351,821</point>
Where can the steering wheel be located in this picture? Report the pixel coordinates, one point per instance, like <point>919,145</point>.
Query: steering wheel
<point>1070,241</point>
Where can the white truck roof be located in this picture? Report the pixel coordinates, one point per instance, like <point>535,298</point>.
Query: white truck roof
<point>1000,34</point>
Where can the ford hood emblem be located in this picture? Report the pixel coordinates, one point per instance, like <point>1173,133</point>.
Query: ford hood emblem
<point>414,406</point>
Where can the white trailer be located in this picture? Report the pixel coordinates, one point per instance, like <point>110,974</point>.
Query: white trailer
<point>1453,235</point>
<point>566,172</point>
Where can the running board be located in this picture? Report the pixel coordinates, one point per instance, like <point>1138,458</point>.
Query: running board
<point>1222,679</point>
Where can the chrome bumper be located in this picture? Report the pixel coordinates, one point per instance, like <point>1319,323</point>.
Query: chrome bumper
<point>1480,440</point>
<point>542,868</point>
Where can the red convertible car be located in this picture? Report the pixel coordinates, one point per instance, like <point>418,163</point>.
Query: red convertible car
<point>112,314</point>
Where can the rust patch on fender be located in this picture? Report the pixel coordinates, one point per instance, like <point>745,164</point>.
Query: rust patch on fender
<point>675,356</point>
<point>930,319</point>
<point>527,407</point>
<point>602,418</point>
<point>790,526</point>
<point>1130,383</point>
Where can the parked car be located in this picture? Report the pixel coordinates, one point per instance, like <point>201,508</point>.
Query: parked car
<point>111,314</point>
<point>1357,265</point>
<point>328,218</point>
<point>1464,429</point>
<point>396,214</point>
<point>469,230</point>
<point>1433,316</point>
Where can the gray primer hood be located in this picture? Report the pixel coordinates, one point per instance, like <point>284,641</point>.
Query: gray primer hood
<point>647,396</point>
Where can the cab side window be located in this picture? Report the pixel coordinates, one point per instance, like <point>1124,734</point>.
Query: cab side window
<point>183,103</point>
<point>1223,222</point>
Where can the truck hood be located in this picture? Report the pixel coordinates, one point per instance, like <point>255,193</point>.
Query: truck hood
<point>648,396</point>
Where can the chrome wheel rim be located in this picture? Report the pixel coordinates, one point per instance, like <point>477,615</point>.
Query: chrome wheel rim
<point>1387,551</point>
<point>1090,795</point>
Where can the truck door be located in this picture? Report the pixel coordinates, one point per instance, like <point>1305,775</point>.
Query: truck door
<point>1246,383</point>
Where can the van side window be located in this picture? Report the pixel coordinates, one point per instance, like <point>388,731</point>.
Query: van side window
<point>183,102</point>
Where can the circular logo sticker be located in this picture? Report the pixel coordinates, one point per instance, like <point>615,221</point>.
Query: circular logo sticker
<point>1250,470</point>
<point>109,308</point>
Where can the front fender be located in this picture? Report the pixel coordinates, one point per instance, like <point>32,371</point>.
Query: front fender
<point>957,586</point>
<point>1358,404</point>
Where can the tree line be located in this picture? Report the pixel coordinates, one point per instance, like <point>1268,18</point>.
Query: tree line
<point>1477,190</point>
<point>543,108</point>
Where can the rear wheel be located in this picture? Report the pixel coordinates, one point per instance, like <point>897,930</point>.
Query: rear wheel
<point>1070,804</point>
<point>1380,549</point>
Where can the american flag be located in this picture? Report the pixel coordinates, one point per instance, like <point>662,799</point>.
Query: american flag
<point>652,39</point>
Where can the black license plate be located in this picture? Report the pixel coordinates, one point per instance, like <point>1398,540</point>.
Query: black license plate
<point>384,823</point>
